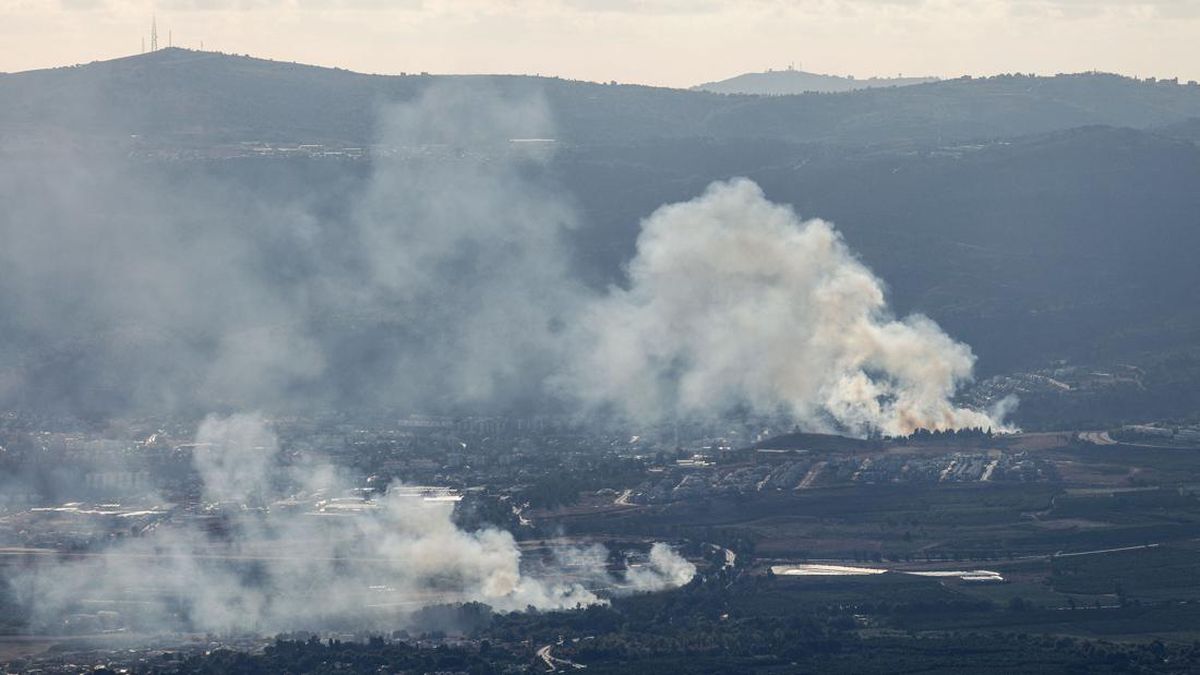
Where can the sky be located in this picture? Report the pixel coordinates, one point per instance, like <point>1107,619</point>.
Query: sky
<point>660,42</point>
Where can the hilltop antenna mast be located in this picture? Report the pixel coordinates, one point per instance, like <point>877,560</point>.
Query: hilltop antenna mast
<point>154,33</point>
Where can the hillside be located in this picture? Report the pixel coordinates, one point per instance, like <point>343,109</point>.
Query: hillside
<point>789,82</point>
<point>189,98</point>
<point>998,207</point>
<point>1188,130</point>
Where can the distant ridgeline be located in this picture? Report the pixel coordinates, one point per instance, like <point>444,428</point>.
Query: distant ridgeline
<point>791,81</point>
<point>191,98</point>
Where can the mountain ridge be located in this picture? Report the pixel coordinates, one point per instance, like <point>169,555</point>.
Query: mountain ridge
<point>178,96</point>
<point>791,82</point>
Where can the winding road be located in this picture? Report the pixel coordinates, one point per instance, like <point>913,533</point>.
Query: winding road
<point>553,662</point>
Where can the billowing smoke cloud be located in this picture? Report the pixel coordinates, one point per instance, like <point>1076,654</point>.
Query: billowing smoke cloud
<point>279,548</point>
<point>440,282</point>
<point>733,301</point>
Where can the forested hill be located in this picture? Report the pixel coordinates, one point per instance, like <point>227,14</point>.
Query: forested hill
<point>190,97</point>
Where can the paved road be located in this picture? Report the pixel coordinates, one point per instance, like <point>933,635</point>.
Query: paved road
<point>1097,437</point>
<point>1106,550</point>
<point>1104,438</point>
<point>811,476</point>
<point>1020,558</point>
<point>553,662</point>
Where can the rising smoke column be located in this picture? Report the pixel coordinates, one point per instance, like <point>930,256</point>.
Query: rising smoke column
<point>437,278</point>
<point>464,237</point>
<point>733,301</point>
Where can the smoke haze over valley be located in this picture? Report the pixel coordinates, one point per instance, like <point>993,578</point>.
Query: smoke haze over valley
<point>352,564</point>
<point>446,283</point>
<point>309,370</point>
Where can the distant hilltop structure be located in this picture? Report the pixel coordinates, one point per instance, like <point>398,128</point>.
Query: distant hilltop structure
<point>154,36</point>
<point>793,81</point>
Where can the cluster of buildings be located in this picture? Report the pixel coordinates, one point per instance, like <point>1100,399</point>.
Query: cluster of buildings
<point>1062,379</point>
<point>310,150</point>
<point>120,654</point>
<point>536,148</point>
<point>693,479</point>
<point>1185,435</point>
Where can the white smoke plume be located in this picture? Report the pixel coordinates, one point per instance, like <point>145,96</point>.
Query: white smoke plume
<point>665,569</point>
<point>436,278</point>
<point>465,244</point>
<point>290,555</point>
<point>734,301</point>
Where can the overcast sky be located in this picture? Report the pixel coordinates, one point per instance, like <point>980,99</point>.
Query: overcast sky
<point>667,42</point>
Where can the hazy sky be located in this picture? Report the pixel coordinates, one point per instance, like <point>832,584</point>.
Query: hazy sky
<point>669,42</point>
